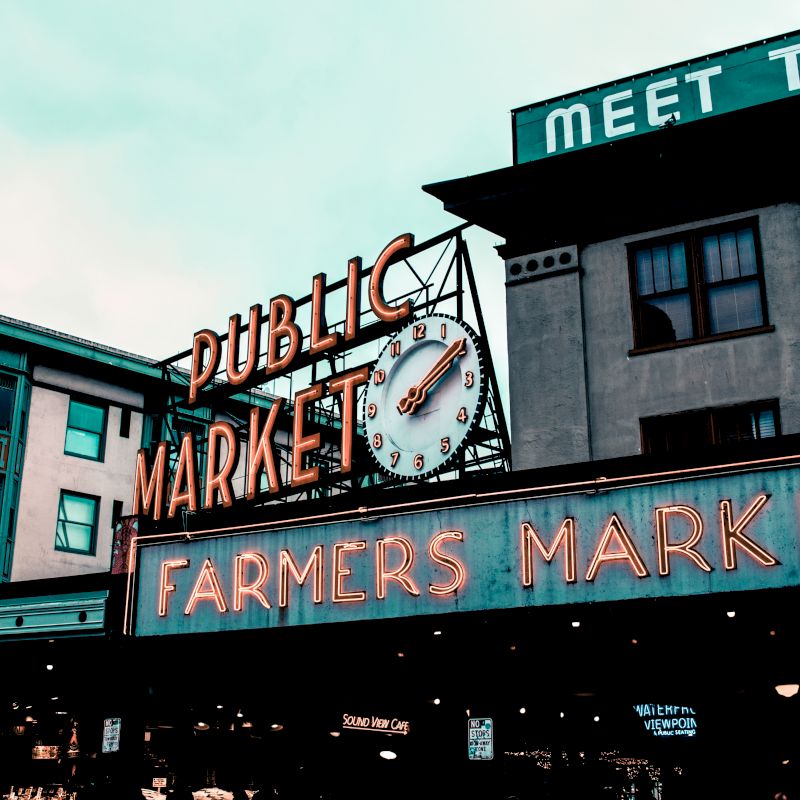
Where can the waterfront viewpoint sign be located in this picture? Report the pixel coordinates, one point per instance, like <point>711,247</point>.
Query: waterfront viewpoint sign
<point>677,534</point>
<point>747,76</point>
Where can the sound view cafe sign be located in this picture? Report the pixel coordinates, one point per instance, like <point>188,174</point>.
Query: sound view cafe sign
<point>739,78</point>
<point>679,534</point>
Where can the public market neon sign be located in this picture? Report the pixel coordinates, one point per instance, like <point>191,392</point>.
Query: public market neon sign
<point>284,340</point>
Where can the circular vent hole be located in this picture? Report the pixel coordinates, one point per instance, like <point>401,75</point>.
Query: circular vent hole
<point>548,261</point>
<point>564,258</point>
<point>515,269</point>
<point>532,265</point>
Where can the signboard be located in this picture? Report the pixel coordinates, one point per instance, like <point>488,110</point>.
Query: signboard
<point>665,720</point>
<point>46,752</point>
<point>704,87</point>
<point>111,731</point>
<point>480,739</point>
<point>387,725</point>
<point>159,783</point>
<point>602,540</point>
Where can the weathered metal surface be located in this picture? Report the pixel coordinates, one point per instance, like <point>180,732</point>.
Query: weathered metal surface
<point>491,555</point>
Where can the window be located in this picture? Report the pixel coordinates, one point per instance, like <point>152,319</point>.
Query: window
<point>697,285</point>
<point>125,423</point>
<point>696,429</point>
<point>86,429</point>
<point>77,523</point>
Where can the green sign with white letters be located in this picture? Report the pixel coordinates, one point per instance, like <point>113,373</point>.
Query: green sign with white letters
<point>747,76</point>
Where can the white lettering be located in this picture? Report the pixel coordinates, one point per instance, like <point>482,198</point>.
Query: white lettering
<point>789,56</point>
<point>655,103</point>
<point>611,114</point>
<point>704,86</point>
<point>566,116</point>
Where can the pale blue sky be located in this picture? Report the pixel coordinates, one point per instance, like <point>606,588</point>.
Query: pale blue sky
<point>150,151</point>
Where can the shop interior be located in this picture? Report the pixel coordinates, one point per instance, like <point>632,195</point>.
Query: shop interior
<point>662,699</point>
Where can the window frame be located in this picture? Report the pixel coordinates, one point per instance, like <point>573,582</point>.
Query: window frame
<point>710,419</point>
<point>94,528</point>
<point>697,288</point>
<point>101,455</point>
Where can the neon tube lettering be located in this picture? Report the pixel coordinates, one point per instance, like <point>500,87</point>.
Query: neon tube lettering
<point>302,444</point>
<point>319,340</point>
<point>663,545</point>
<point>616,531</point>
<point>260,450</point>
<point>379,306</point>
<point>151,498</point>
<point>352,319</point>
<point>254,588</point>
<point>453,564</point>
<point>733,535</point>
<point>207,587</point>
<point>235,376</point>
<point>165,588</point>
<point>220,480</point>
<point>340,572</point>
<point>185,471</point>
<point>287,564</point>
<point>384,575</point>
<point>565,536</point>
<point>346,384</point>
<point>200,375</point>
<point>281,326</point>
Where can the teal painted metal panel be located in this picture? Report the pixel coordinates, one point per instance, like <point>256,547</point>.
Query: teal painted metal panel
<point>491,554</point>
<point>79,613</point>
<point>704,87</point>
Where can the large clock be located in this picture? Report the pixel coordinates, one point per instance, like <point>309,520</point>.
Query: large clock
<point>425,395</point>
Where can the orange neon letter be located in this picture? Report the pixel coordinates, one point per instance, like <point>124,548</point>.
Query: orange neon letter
<point>282,326</point>
<point>302,444</point>
<point>185,471</point>
<point>380,308</point>
<point>235,376</point>
<point>565,536</point>
<point>254,588</point>
<point>207,587</point>
<point>398,574</point>
<point>151,498</point>
<point>453,564</point>
<point>320,340</point>
<point>352,317</point>
<point>260,451</point>
<point>733,535</point>
<point>340,572</point>
<point>663,545</point>
<point>165,588</point>
<point>220,480</point>
<point>346,384</point>
<point>200,375</point>
<point>616,530</point>
<point>287,564</point>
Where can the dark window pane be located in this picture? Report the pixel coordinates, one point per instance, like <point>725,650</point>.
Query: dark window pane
<point>711,261</point>
<point>734,308</point>
<point>666,319</point>
<point>661,269</point>
<point>747,252</point>
<point>7,386</point>
<point>728,255</point>
<point>676,432</point>
<point>644,272</point>
<point>677,265</point>
<point>766,424</point>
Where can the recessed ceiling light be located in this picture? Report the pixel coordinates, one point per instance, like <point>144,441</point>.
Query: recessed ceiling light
<point>437,633</point>
<point>523,710</point>
<point>219,707</point>
<point>436,701</point>
<point>634,641</point>
<point>785,761</point>
<point>49,667</point>
<point>561,714</point>
<point>239,714</point>
<point>336,734</point>
<point>276,726</point>
<point>787,689</point>
<point>596,719</point>
<point>576,624</point>
<point>201,726</point>
<point>401,655</point>
<point>389,755</point>
<point>730,614</point>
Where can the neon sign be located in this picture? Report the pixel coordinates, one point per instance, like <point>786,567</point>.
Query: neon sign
<point>154,498</point>
<point>664,720</point>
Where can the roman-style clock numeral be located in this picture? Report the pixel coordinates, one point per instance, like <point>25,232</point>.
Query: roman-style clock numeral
<point>372,410</point>
<point>462,414</point>
<point>443,330</point>
<point>419,331</point>
<point>379,376</point>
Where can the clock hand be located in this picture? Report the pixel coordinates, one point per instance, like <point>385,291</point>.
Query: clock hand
<point>417,394</point>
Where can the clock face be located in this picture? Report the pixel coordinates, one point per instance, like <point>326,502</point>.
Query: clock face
<point>425,395</point>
